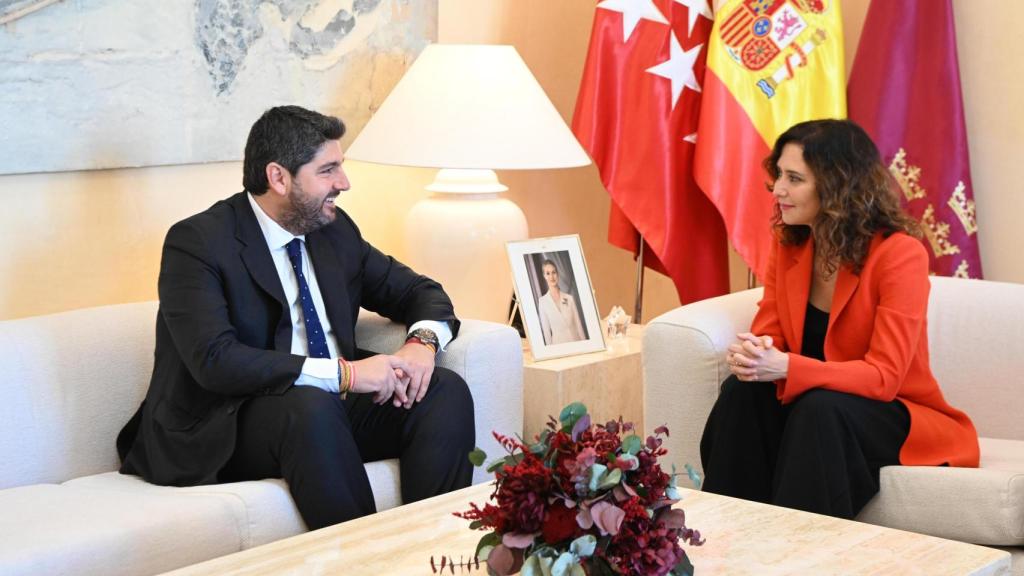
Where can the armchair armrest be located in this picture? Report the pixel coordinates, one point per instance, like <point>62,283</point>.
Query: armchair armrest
<point>488,356</point>
<point>684,365</point>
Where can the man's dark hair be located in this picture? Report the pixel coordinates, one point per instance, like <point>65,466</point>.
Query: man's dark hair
<point>288,135</point>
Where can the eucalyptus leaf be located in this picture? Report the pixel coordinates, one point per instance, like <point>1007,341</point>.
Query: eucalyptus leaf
<point>597,474</point>
<point>570,415</point>
<point>694,476</point>
<point>611,479</point>
<point>477,456</point>
<point>567,565</point>
<point>632,444</point>
<point>490,540</point>
<point>510,460</point>
<point>673,493</point>
<point>581,426</point>
<point>483,553</point>
<point>537,565</point>
<point>584,546</point>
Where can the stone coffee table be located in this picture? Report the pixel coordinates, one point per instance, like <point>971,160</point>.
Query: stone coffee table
<point>742,538</point>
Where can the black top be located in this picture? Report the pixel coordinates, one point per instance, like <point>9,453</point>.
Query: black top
<point>815,326</point>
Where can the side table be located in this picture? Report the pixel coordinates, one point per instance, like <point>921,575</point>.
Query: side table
<point>610,383</point>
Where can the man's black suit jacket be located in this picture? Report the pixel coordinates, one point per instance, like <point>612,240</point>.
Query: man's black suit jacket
<point>223,331</point>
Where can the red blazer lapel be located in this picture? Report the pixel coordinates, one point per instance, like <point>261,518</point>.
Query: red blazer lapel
<point>846,285</point>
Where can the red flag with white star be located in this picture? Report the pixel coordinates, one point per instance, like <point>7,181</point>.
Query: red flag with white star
<point>637,113</point>
<point>908,53</point>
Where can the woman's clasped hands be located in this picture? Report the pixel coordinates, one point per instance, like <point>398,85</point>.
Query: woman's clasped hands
<point>755,359</point>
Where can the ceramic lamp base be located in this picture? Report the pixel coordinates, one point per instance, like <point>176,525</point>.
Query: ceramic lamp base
<point>457,236</point>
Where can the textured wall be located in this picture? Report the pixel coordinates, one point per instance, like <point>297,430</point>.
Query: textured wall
<point>101,84</point>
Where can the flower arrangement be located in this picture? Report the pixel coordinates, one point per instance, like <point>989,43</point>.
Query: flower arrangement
<point>583,500</point>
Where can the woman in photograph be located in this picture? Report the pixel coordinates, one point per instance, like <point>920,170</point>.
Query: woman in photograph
<point>832,382</point>
<point>559,318</point>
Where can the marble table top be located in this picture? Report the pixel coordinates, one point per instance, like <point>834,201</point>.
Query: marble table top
<point>742,538</point>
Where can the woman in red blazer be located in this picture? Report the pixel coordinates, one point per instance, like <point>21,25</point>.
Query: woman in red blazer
<point>833,381</point>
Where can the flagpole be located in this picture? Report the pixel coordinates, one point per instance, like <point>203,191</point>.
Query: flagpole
<point>639,303</point>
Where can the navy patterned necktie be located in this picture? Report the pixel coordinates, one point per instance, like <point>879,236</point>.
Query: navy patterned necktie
<point>315,337</point>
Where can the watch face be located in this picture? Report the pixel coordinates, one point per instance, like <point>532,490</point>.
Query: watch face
<point>425,336</point>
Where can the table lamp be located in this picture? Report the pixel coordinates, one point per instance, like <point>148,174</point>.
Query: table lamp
<point>467,110</point>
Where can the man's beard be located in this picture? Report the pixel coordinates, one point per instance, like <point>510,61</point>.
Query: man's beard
<point>305,213</point>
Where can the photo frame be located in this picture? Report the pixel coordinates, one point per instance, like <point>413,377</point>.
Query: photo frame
<point>555,297</point>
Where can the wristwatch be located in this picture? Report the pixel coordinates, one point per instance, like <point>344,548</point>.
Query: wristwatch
<point>425,337</point>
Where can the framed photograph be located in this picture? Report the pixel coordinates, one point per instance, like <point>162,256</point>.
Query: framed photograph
<point>555,297</point>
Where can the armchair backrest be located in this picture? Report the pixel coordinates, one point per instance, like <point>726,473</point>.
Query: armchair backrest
<point>975,336</point>
<point>976,343</point>
<point>69,382</point>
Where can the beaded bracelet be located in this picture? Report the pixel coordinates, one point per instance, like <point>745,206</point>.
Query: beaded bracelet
<point>346,377</point>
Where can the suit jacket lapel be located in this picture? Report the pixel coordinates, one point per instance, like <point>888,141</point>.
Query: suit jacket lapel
<point>846,285</point>
<point>333,289</point>
<point>798,289</point>
<point>257,260</point>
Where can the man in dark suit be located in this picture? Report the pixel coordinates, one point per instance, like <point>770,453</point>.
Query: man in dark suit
<point>257,374</point>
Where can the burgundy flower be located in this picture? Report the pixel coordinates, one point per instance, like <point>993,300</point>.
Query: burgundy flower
<point>560,523</point>
<point>522,495</point>
<point>643,546</point>
<point>551,493</point>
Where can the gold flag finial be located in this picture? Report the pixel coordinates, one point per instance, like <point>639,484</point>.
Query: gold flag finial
<point>963,208</point>
<point>906,176</point>
<point>937,234</point>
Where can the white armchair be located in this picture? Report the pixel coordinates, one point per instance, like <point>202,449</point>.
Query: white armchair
<point>71,380</point>
<point>976,338</point>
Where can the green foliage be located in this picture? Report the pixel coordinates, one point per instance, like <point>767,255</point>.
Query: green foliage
<point>694,476</point>
<point>684,568</point>
<point>584,546</point>
<point>477,456</point>
<point>597,474</point>
<point>610,480</point>
<point>490,540</point>
<point>632,444</point>
<point>570,415</point>
<point>510,460</point>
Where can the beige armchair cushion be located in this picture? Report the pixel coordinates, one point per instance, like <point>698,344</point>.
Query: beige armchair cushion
<point>976,341</point>
<point>983,506</point>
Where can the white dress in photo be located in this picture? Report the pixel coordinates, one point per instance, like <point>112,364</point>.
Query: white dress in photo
<point>560,321</point>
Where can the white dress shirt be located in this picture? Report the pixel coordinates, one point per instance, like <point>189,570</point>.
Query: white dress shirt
<point>320,372</point>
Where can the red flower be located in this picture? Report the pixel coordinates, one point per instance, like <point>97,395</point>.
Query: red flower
<point>560,523</point>
<point>522,495</point>
<point>643,546</point>
<point>621,492</point>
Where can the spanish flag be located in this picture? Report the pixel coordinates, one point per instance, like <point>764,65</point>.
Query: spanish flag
<point>770,64</point>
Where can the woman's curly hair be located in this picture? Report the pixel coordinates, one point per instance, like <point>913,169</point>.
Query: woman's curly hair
<point>857,194</point>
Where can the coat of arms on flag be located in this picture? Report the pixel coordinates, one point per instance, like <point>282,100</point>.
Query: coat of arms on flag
<point>757,32</point>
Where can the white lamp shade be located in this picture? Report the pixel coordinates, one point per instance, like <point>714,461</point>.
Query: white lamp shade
<point>468,106</point>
